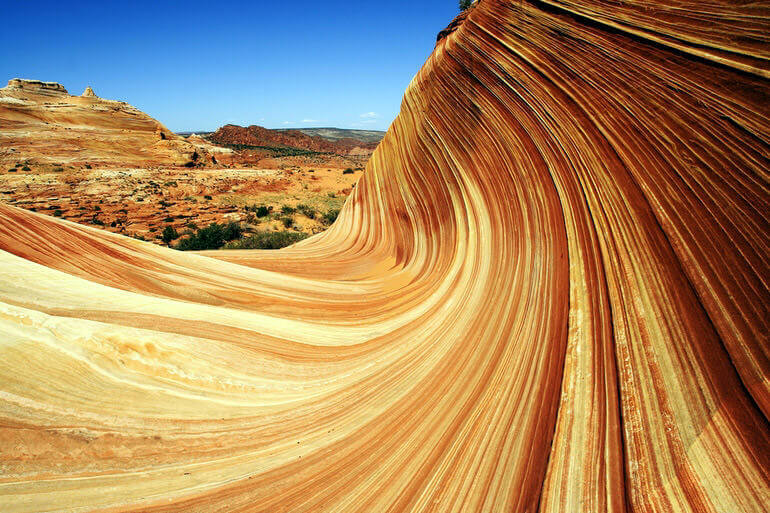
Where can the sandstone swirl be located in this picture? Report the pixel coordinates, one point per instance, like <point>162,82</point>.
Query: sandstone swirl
<point>549,292</point>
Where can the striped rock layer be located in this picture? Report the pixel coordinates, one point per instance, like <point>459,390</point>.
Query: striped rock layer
<point>549,292</point>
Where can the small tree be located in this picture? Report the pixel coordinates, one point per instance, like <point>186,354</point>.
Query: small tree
<point>464,4</point>
<point>169,234</point>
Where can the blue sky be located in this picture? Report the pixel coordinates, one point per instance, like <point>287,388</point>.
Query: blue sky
<point>198,65</point>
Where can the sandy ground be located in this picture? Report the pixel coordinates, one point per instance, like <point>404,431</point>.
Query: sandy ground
<point>141,202</point>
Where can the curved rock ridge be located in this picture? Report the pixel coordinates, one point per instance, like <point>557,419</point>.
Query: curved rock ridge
<point>549,292</point>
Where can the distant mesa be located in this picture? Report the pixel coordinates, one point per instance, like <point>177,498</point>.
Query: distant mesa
<point>89,92</point>
<point>37,86</point>
<point>260,136</point>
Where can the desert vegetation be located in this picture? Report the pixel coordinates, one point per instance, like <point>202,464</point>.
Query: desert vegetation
<point>267,240</point>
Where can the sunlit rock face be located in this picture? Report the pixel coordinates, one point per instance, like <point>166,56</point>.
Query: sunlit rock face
<point>549,292</point>
<point>42,123</point>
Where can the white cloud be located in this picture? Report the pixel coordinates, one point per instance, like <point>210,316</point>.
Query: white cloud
<point>365,123</point>
<point>370,115</point>
<point>309,120</point>
<point>288,123</point>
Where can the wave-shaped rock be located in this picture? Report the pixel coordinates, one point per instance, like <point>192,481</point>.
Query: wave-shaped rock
<point>548,292</point>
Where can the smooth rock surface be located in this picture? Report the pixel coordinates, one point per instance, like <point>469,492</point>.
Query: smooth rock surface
<point>548,292</point>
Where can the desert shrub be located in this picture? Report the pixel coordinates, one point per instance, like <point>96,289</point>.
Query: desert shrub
<point>260,211</point>
<point>306,210</point>
<point>232,231</point>
<point>331,216</point>
<point>58,169</point>
<point>464,4</point>
<point>213,236</point>
<point>26,168</point>
<point>348,171</point>
<point>192,226</point>
<point>168,220</point>
<point>169,234</point>
<point>152,230</point>
<point>331,194</point>
<point>287,221</point>
<point>97,221</point>
<point>207,197</point>
<point>58,213</point>
<point>287,209</point>
<point>267,240</point>
<point>88,166</point>
<point>12,170</point>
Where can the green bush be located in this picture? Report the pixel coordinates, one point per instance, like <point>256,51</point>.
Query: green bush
<point>464,4</point>
<point>331,216</point>
<point>207,197</point>
<point>58,169</point>
<point>12,170</point>
<point>58,213</point>
<point>348,171</point>
<point>213,236</point>
<point>287,209</point>
<point>169,234</point>
<point>26,168</point>
<point>267,240</point>
<point>287,221</point>
<point>306,210</point>
<point>261,211</point>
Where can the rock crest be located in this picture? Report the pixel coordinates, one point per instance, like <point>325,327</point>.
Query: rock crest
<point>36,86</point>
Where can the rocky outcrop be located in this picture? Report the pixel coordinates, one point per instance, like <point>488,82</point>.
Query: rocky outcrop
<point>259,136</point>
<point>42,123</point>
<point>549,292</point>
<point>36,87</point>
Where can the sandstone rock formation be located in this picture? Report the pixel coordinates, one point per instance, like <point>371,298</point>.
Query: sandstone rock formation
<point>89,92</point>
<point>259,136</point>
<point>549,292</point>
<point>36,87</point>
<point>41,122</point>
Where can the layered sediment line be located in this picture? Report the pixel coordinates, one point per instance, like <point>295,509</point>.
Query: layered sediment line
<point>549,292</point>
